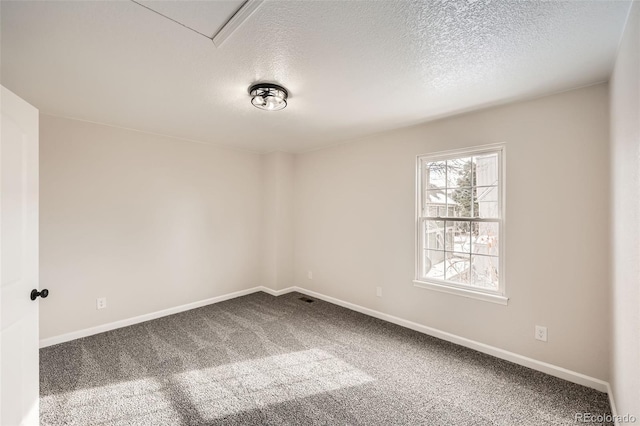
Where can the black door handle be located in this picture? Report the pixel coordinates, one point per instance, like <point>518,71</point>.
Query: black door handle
<point>35,293</point>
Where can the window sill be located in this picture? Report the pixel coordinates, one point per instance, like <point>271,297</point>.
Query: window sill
<point>493,298</point>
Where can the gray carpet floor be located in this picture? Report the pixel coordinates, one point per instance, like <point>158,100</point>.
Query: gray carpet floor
<point>265,360</point>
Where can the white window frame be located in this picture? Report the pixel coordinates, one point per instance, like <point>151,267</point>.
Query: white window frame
<point>495,296</point>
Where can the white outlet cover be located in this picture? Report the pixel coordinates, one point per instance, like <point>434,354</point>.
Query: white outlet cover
<point>541,333</point>
<point>101,303</point>
<point>310,275</point>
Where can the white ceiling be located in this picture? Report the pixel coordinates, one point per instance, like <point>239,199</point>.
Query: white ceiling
<point>352,68</point>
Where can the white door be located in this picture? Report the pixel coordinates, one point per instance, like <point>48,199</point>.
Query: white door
<point>19,383</point>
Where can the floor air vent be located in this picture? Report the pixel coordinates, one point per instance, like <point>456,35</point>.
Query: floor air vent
<point>306,299</point>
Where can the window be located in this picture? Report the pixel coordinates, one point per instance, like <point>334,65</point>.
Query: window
<point>460,223</point>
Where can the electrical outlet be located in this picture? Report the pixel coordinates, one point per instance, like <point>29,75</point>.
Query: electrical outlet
<point>379,291</point>
<point>310,275</point>
<point>101,303</point>
<point>541,333</point>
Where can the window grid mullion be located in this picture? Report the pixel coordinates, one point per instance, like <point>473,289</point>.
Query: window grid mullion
<point>470,245</point>
<point>464,219</point>
<point>473,182</point>
<point>444,252</point>
<point>425,176</point>
<point>446,188</point>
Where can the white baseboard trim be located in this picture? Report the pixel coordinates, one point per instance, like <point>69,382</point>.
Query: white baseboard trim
<point>277,292</point>
<point>612,403</point>
<point>544,367</point>
<point>146,317</point>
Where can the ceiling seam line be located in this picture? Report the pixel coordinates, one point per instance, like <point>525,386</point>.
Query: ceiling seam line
<point>172,20</point>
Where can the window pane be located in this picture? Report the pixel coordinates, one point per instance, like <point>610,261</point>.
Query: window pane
<point>486,193</point>
<point>486,202</point>
<point>460,198</point>
<point>436,175</point>
<point>436,202</point>
<point>485,272</point>
<point>433,264</point>
<point>457,268</point>
<point>459,172</point>
<point>458,236</point>
<point>485,170</point>
<point>434,235</point>
<point>485,238</point>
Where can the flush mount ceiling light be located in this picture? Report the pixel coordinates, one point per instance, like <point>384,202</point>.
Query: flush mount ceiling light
<point>268,96</point>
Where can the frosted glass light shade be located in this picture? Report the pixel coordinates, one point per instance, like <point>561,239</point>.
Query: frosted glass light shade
<point>267,96</point>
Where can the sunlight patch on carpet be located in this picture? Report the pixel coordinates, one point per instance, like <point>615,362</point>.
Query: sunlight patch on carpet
<point>209,393</point>
<point>247,385</point>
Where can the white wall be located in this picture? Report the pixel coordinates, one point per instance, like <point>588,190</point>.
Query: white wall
<point>149,222</point>
<point>125,214</point>
<point>354,227</point>
<point>625,187</point>
<point>277,254</point>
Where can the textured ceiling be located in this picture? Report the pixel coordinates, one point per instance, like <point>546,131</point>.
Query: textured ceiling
<point>352,68</point>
